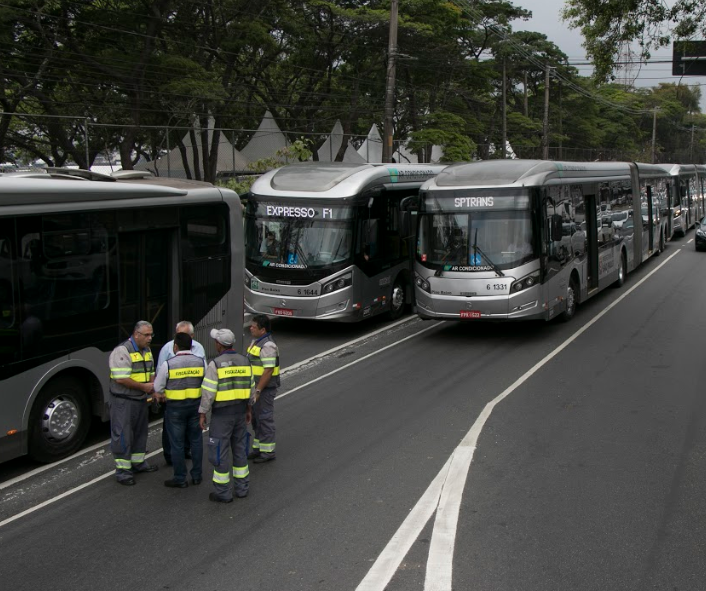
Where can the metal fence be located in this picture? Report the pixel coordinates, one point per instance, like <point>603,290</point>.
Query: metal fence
<point>192,152</point>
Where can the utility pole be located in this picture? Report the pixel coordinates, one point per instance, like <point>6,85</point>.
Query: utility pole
<point>545,131</point>
<point>390,85</point>
<point>504,152</point>
<point>691,146</point>
<point>654,135</point>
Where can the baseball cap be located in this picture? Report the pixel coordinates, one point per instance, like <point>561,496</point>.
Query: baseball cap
<point>223,335</point>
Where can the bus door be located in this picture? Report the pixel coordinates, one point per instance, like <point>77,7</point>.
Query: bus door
<point>592,229</point>
<point>144,267</point>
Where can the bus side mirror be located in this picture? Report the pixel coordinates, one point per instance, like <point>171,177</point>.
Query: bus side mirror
<point>556,228</point>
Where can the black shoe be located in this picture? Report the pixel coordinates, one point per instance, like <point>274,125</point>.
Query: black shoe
<point>174,484</point>
<point>216,499</point>
<point>196,481</point>
<point>145,469</point>
<point>253,454</point>
<point>262,459</point>
<point>127,482</point>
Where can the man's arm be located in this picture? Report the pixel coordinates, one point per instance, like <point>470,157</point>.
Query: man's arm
<point>209,388</point>
<point>160,382</point>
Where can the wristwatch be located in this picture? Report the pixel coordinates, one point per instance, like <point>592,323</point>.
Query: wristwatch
<point>258,391</point>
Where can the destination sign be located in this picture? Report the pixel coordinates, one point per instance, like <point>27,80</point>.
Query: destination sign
<point>453,202</point>
<point>303,211</point>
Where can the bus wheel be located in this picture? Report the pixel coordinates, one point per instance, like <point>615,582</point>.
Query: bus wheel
<point>59,421</point>
<point>397,298</point>
<point>622,271</point>
<point>572,295</point>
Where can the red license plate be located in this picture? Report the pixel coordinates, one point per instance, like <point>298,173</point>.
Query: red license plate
<point>473,314</point>
<point>283,311</point>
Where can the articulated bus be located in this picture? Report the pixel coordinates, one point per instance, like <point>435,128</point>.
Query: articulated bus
<point>689,194</point>
<point>530,239</point>
<point>332,241</point>
<point>83,257</point>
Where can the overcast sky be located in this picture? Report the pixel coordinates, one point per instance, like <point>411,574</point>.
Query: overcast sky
<point>546,19</point>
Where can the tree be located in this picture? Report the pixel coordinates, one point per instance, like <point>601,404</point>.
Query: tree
<point>608,24</point>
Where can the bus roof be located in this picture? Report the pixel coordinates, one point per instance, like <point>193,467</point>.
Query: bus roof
<point>338,179</point>
<point>489,173</point>
<point>33,190</point>
<point>677,169</point>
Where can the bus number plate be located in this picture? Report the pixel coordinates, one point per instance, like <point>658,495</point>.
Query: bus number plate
<point>470,314</point>
<point>282,312</point>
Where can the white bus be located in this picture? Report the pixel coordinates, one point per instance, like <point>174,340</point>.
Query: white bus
<point>332,241</point>
<point>528,239</point>
<point>81,260</point>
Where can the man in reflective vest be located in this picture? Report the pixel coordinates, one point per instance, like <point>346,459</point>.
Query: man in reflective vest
<point>166,353</point>
<point>178,383</point>
<point>131,384</point>
<point>264,357</point>
<point>226,392</point>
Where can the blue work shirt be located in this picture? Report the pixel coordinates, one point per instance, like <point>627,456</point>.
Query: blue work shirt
<point>167,352</point>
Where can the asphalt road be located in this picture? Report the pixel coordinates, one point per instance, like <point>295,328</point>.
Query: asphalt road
<point>589,474</point>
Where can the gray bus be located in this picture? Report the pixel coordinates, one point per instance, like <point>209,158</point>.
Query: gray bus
<point>530,239</point>
<point>82,258</point>
<point>688,206</point>
<point>332,241</point>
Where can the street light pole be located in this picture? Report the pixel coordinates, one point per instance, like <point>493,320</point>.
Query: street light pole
<point>545,132</point>
<point>654,135</point>
<point>390,85</point>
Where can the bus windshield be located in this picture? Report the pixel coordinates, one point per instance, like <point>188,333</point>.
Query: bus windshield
<point>298,243</point>
<point>475,240</point>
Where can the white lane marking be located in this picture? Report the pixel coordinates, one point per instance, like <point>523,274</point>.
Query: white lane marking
<point>299,364</point>
<point>65,494</point>
<point>439,572</point>
<point>78,454</point>
<point>154,453</point>
<point>387,563</point>
<point>290,368</point>
<point>376,352</point>
<point>690,241</point>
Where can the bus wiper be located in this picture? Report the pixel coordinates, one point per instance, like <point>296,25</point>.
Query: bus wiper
<point>477,248</point>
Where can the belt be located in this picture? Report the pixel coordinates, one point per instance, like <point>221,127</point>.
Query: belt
<point>127,397</point>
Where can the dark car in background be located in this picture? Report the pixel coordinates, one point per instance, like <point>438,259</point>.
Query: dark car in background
<point>700,237</point>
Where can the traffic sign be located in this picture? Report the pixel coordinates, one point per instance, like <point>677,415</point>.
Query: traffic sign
<point>689,58</point>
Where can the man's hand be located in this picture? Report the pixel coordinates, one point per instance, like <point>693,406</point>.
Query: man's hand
<point>147,388</point>
<point>202,421</point>
<point>248,415</point>
<point>160,397</point>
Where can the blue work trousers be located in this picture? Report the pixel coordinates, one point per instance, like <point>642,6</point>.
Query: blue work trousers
<point>182,424</point>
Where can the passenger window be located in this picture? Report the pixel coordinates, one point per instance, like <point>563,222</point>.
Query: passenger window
<point>204,231</point>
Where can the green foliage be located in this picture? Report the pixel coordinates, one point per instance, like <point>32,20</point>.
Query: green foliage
<point>446,130</point>
<point>297,151</point>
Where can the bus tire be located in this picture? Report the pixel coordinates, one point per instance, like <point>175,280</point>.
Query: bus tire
<point>572,299</point>
<point>622,270</point>
<point>397,300</point>
<point>59,420</point>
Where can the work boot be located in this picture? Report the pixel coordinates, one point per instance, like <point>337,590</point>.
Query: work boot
<point>216,499</point>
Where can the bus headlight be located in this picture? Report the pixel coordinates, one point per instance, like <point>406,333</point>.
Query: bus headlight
<point>525,282</point>
<point>337,284</point>
<point>422,283</point>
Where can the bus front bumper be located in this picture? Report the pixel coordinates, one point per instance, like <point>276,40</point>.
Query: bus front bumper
<point>338,306</point>
<point>521,306</point>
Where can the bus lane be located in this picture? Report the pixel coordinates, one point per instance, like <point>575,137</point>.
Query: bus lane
<point>358,450</point>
